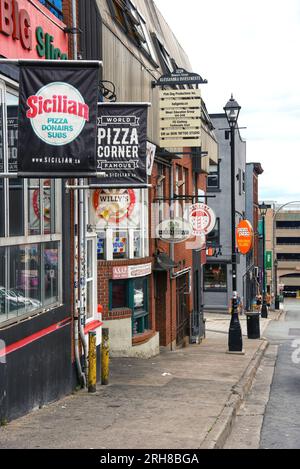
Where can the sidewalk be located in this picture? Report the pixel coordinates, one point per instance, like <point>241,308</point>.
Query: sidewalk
<point>182,399</point>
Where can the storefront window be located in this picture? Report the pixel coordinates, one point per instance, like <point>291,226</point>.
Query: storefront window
<point>120,245</point>
<point>29,269</point>
<point>119,294</point>
<point>140,317</point>
<point>51,262</point>
<point>215,277</point>
<point>120,218</point>
<point>16,207</point>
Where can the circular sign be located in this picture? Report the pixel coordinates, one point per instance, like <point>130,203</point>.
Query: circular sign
<point>202,219</point>
<point>244,236</point>
<point>57,113</point>
<point>114,205</point>
<point>175,230</point>
<point>47,201</point>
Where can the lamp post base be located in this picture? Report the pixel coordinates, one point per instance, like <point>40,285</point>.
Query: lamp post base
<point>236,353</point>
<point>264,311</point>
<point>235,340</point>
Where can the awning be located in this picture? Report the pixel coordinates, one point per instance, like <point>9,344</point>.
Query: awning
<point>163,263</point>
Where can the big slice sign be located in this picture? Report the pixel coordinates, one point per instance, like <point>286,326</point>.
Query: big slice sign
<point>26,31</point>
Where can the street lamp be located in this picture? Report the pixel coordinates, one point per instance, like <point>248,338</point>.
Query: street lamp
<point>235,341</point>
<point>263,211</point>
<point>277,304</point>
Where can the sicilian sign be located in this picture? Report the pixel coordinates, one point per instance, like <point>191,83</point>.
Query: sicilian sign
<point>132,271</point>
<point>57,119</point>
<point>180,77</point>
<point>122,144</point>
<point>244,237</point>
<point>202,218</point>
<point>180,118</point>
<point>175,230</point>
<point>269,260</point>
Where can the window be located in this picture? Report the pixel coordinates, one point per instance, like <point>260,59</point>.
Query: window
<point>288,241</point>
<point>91,279</point>
<point>288,224</point>
<point>213,178</point>
<point>55,6</point>
<point>30,235</point>
<point>120,218</point>
<point>119,294</point>
<point>166,62</point>
<point>133,294</point>
<point>295,257</point>
<point>29,279</point>
<point>131,21</point>
<point>243,182</point>
<point>215,277</point>
<point>140,317</point>
<point>213,238</point>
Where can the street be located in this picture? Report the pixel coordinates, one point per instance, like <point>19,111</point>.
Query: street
<point>270,416</point>
<point>281,426</point>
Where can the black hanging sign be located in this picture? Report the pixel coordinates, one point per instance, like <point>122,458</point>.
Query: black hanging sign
<point>57,119</point>
<point>122,144</point>
<point>180,77</point>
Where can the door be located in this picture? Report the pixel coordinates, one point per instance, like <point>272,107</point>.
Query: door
<point>182,314</point>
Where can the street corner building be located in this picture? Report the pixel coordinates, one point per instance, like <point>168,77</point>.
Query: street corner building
<point>35,301</point>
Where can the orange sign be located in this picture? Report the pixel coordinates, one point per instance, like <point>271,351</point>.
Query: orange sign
<point>244,236</point>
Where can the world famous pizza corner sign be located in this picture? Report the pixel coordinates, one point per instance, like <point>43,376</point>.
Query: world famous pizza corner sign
<point>122,144</point>
<point>57,118</point>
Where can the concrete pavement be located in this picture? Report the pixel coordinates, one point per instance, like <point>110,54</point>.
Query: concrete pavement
<point>182,399</point>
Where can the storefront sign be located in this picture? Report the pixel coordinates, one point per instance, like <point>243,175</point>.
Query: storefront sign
<point>175,230</point>
<point>121,144</point>
<point>180,118</point>
<point>131,271</point>
<point>180,77</point>
<point>114,205</point>
<point>269,260</point>
<point>28,31</point>
<point>202,219</point>
<point>57,119</point>
<point>244,237</point>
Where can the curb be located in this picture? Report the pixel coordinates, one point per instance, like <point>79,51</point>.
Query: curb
<point>221,429</point>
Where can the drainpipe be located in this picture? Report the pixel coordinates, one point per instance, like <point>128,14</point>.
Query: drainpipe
<point>78,326</point>
<point>172,250</point>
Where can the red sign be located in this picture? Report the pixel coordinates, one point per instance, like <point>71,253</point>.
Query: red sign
<point>28,30</point>
<point>244,236</point>
<point>202,219</point>
<point>131,271</point>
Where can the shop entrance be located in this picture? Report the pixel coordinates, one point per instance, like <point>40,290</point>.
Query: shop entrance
<point>182,314</point>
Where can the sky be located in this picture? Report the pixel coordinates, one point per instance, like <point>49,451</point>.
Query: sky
<point>250,49</point>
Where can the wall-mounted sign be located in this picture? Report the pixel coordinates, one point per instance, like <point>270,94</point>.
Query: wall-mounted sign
<point>180,77</point>
<point>180,118</point>
<point>57,119</point>
<point>28,31</point>
<point>175,230</point>
<point>114,205</point>
<point>131,271</point>
<point>122,144</point>
<point>202,219</point>
<point>269,260</point>
<point>244,237</point>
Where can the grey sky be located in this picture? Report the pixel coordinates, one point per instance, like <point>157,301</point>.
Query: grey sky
<point>250,49</point>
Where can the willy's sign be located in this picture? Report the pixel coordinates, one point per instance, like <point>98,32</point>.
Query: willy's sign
<point>57,119</point>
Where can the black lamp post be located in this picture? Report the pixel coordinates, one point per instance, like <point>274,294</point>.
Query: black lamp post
<point>263,211</point>
<point>235,341</point>
<point>277,304</point>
